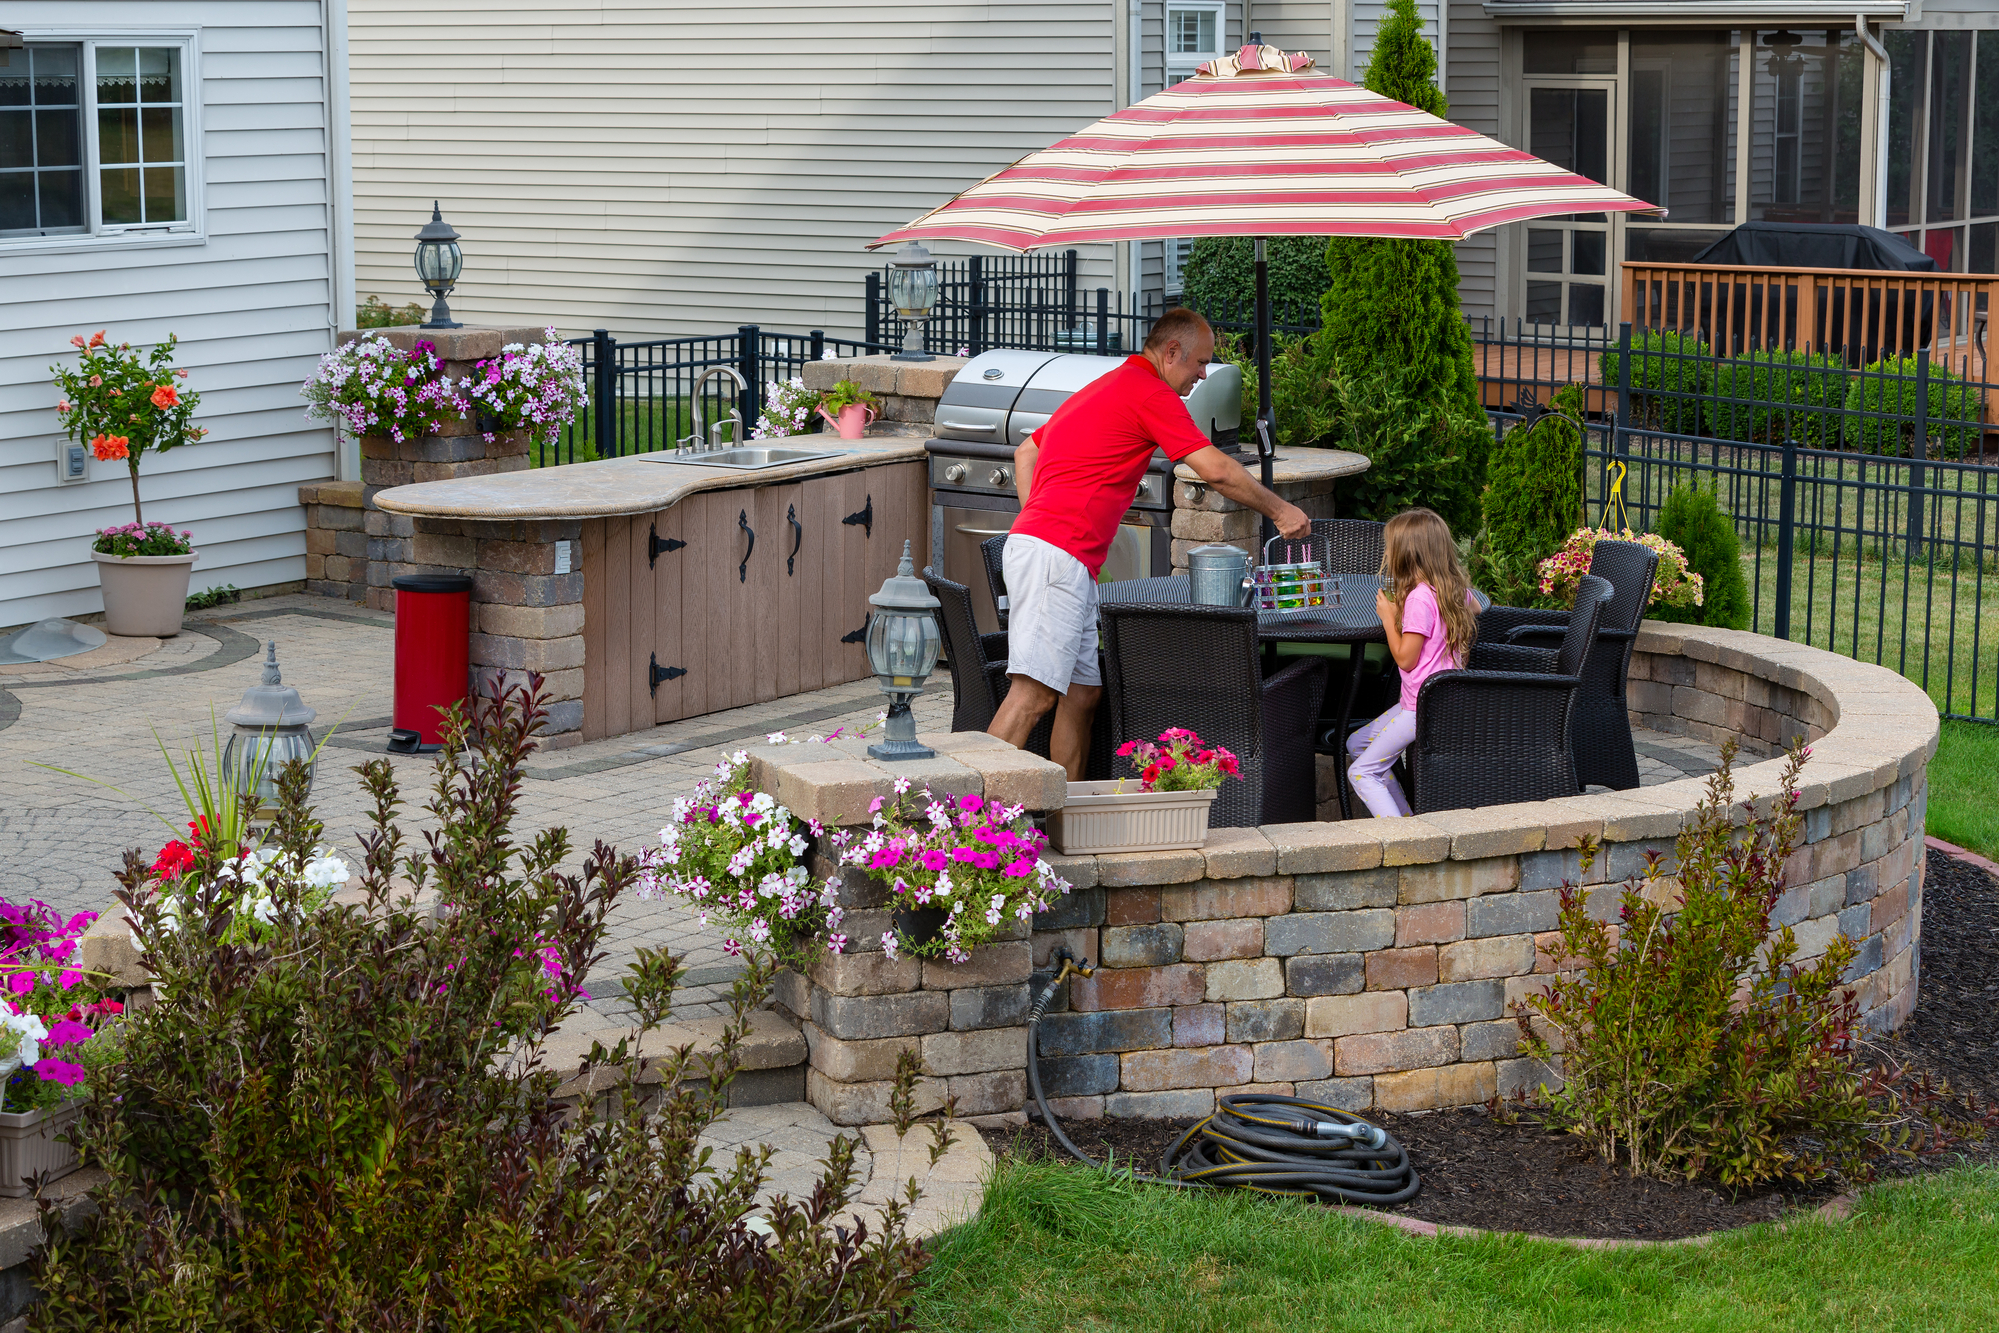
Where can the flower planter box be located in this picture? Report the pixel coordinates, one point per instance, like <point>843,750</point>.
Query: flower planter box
<point>31,1142</point>
<point>145,596</point>
<point>1098,817</point>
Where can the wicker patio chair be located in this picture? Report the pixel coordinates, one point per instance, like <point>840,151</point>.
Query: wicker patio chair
<point>1495,737</point>
<point>993,551</point>
<point>1199,667</point>
<point>1602,734</point>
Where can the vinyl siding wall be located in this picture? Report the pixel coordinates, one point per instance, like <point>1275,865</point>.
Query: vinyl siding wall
<point>1474,94</point>
<point>253,305</point>
<point>661,169</point>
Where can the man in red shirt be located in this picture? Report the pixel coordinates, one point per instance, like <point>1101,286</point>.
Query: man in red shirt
<point>1076,476</point>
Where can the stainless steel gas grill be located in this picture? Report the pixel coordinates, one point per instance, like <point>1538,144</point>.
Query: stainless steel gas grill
<point>995,402</point>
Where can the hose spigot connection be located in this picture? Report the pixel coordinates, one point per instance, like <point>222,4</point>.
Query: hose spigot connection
<point>1070,966</point>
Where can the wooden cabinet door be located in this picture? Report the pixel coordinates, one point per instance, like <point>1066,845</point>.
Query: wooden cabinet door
<point>679,623</point>
<point>618,617</point>
<point>780,575</point>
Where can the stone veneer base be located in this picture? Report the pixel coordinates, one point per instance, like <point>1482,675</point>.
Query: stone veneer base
<point>1370,964</point>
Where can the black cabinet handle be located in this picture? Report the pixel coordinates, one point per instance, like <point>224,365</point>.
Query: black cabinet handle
<point>797,539</point>
<point>863,517</point>
<point>743,570</point>
<point>860,635</point>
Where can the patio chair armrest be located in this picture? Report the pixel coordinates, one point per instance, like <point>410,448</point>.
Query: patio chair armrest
<point>1513,657</point>
<point>1497,622</point>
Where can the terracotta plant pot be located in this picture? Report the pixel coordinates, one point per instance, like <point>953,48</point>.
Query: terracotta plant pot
<point>31,1142</point>
<point>1100,818</point>
<point>853,421</point>
<point>144,595</point>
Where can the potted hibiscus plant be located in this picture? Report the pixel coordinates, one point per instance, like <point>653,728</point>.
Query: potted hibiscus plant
<point>54,1033</point>
<point>1179,777</point>
<point>125,406</point>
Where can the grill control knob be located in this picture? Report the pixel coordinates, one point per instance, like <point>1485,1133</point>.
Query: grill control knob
<point>1000,477</point>
<point>955,472</point>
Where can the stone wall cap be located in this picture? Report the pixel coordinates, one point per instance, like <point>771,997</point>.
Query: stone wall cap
<point>1300,465</point>
<point>615,486</point>
<point>346,494</point>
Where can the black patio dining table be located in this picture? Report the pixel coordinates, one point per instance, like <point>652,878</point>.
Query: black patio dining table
<point>1352,621</point>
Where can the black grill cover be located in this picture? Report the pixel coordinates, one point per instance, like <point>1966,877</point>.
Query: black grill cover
<point>1815,245</point>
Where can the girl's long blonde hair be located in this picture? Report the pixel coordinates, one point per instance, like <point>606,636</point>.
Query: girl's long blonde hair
<point>1416,547</point>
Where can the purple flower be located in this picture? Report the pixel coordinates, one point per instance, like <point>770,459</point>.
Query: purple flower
<point>964,855</point>
<point>1020,869</point>
<point>986,860</point>
<point>66,1031</point>
<point>59,1071</point>
<point>934,860</point>
<point>969,802</point>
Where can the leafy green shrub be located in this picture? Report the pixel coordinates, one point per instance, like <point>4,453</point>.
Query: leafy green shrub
<point>1889,386</point>
<point>1302,401</point>
<point>1670,372</point>
<point>375,313</point>
<point>1420,451</point>
<point>1692,520</point>
<point>1533,500</point>
<point>345,1123</point>
<point>1692,1041</point>
<point>1219,278</point>
<point>1765,397</point>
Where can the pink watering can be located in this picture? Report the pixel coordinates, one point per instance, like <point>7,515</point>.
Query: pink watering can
<point>853,421</point>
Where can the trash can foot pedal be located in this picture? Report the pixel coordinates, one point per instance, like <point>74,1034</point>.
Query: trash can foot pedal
<point>402,741</point>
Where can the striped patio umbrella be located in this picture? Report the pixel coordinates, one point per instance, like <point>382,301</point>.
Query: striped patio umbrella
<point>1261,144</point>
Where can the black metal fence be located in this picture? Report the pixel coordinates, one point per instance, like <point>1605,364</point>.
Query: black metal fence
<point>1867,515</point>
<point>649,395</point>
<point>985,302</point>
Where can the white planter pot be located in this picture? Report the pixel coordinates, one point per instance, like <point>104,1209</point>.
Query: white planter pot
<point>144,595</point>
<point>31,1142</point>
<point>1100,818</point>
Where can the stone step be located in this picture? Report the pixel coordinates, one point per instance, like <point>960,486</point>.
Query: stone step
<point>770,1060</point>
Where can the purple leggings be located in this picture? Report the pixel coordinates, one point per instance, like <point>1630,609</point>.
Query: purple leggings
<point>1375,748</point>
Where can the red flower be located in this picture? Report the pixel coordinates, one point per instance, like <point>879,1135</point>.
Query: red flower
<point>108,447</point>
<point>97,338</point>
<point>1150,774</point>
<point>174,859</point>
<point>165,395</point>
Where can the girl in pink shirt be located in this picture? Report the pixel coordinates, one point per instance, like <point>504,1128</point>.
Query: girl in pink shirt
<point>1431,619</point>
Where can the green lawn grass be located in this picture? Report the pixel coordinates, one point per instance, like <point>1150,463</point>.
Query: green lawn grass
<point>1964,787</point>
<point>1060,1248</point>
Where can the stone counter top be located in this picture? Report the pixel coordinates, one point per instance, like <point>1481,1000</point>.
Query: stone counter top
<point>1296,465</point>
<point>637,485</point>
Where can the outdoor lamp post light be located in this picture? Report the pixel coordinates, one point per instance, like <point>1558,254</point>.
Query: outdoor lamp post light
<point>439,262</point>
<point>912,287</point>
<point>903,643</point>
<point>270,732</point>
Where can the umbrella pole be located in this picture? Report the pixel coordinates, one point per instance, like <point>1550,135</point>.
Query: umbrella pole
<point>1266,420</point>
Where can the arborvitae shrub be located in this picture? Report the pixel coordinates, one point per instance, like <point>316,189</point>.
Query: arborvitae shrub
<point>1220,277</point>
<point>1670,373</point>
<point>1419,451</point>
<point>1693,521</point>
<point>1533,500</point>
<point>1889,386</point>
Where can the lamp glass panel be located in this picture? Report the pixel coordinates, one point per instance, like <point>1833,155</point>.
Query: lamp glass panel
<point>903,645</point>
<point>913,289</point>
<point>438,263</point>
<point>262,755</point>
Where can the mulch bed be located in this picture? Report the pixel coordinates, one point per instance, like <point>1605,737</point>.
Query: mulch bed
<point>1481,1172</point>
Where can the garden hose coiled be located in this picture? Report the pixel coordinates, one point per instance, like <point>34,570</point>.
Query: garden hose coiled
<point>1268,1142</point>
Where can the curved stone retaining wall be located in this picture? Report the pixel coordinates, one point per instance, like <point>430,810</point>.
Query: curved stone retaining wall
<point>1370,963</point>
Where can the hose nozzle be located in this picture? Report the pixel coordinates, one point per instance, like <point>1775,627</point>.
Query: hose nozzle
<point>1363,1134</point>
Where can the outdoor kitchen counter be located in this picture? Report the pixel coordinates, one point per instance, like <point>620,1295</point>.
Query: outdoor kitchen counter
<point>624,486</point>
<point>648,592</point>
<point>1295,465</point>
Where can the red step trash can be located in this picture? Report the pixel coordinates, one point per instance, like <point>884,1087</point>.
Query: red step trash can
<point>433,645</point>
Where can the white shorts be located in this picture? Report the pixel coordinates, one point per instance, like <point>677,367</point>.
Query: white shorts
<point>1051,623</point>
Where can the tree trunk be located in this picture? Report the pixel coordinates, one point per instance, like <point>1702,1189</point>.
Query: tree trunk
<point>138,516</point>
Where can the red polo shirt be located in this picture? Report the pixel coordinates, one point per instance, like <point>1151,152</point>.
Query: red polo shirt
<point>1093,452</point>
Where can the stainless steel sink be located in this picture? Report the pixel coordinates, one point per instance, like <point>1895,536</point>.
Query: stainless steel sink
<point>744,457</point>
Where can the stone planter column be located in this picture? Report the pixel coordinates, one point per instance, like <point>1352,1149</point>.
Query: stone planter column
<point>860,1010</point>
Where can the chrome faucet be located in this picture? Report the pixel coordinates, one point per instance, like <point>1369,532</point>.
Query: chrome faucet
<point>712,434</point>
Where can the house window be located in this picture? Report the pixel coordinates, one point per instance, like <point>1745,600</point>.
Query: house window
<point>41,141</point>
<point>94,138</point>
<point>1193,36</point>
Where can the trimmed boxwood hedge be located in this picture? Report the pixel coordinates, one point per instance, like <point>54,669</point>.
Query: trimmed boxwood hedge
<point>1763,397</point>
<point>1888,386</point>
<point>1670,374</point>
